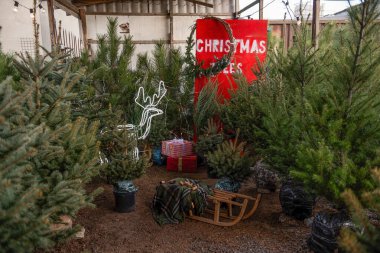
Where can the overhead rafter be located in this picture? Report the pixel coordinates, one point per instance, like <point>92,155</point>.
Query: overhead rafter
<point>200,3</point>
<point>67,6</point>
<point>91,2</point>
<point>247,7</point>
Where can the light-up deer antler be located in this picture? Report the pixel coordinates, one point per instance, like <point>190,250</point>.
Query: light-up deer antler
<point>149,111</point>
<point>149,107</point>
<point>148,102</point>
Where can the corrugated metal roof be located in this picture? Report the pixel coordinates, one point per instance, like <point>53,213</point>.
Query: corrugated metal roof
<point>162,7</point>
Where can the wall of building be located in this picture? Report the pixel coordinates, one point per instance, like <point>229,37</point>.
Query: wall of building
<point>16,27</point>
<point>16,32</point>
<point>149,20</point>
<point>68,23</point>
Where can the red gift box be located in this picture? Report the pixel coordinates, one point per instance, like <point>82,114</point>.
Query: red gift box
<point>177,148</point>
<point>182,164</point>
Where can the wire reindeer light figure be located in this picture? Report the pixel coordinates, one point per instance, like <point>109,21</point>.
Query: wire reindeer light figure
<point>150,110</point>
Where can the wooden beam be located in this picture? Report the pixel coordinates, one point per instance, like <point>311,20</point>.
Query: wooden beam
<point>52,27</point>
<point>145,42</point>
<point>91,2</point>
<point>171,38</point>
<point>68,7</point>
<point>315,22</point>
<point>247,7</point>
<point>200,3</point>
<point>82,16</point>
<point>261,9</point>
<point>155,14</point>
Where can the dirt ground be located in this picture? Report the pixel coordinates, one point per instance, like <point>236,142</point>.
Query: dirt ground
<point>108,231</point>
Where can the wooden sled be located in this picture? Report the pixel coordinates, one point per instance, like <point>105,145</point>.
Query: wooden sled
<point>228,198</point>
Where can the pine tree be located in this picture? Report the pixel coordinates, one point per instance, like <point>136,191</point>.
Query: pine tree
<point>366,238</point>
<point>114,76</point>
<point>315,114</point>
<point>168,65</point>
<point>342,123</point>
<point>67,157</point>
<point>24,226</point>
<point>230,160</point>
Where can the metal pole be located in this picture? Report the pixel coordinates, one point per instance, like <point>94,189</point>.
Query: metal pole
<point>261,9</point>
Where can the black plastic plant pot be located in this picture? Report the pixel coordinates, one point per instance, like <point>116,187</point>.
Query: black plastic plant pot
<point>211,174</point>
<point>124,201</point>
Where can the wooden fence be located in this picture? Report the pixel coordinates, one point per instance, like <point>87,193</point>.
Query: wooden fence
<point>68,42</point>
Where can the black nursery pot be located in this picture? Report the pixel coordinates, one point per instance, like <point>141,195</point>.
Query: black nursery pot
<point>325,231</point>
<point>295,201</point>
<point>210,173</point>
<point>124,201</point>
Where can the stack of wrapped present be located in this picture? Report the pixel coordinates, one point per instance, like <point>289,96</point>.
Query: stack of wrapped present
<point>180,155</point>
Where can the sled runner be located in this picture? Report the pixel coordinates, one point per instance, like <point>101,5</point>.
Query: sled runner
<point>226,217</point>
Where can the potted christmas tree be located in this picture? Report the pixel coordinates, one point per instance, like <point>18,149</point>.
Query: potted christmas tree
<point>123,164</point>
<point>208,141</point>
<point>231,163</point>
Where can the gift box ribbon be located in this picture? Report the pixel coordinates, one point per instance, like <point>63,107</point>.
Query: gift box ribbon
<point>180,164</point>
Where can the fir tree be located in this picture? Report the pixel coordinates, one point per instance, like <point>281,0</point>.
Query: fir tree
<point>122,161</point>
<point>67,157</point>
<point>24,226</point>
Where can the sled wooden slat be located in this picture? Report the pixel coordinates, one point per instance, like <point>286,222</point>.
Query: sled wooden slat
<point>228,198</point>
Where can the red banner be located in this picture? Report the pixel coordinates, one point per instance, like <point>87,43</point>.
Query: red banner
<point>212,41</point>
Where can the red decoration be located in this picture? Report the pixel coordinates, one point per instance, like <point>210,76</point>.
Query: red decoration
<point>182,164</point>
<point>177,148</point>
<point>212,41</point>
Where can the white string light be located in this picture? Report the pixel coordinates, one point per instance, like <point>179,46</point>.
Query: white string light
<point>15,8</point>
<point>17,4</point>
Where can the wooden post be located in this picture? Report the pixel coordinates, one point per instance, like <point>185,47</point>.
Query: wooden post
<point>52,27</point>
<point>315,23</point>
<point>285,37</point>
<point>261,9</point>
<point>82,16</point>
<point>171,39</point>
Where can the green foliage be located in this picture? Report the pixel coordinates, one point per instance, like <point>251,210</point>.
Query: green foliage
<point>23,225</point>
<point>67,154</point>
<point>230,160</point>
<point>314,115</point>
<point>242,111</point>
<point>109,84</point>
<point>341,113</point>
<point>6,67</point>
<point>209,139</point>
<point>168,65</point>
<point>158,133</point>
<point>206,106</point>
<point>122,163</point>
<point>367,237</point>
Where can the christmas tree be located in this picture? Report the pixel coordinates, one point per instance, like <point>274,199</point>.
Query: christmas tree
<point>340,140</point>
<point>230,160</point>
<point>315,114</point>
<point>67,155</point>
<point>24,226</point>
